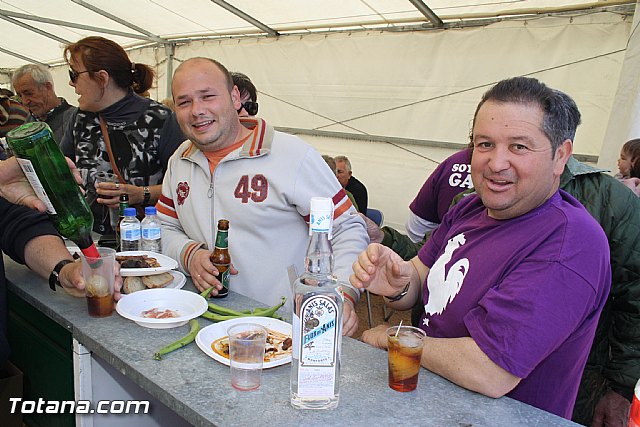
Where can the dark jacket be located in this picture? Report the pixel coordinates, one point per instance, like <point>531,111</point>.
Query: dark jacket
<point>58,119</point>
<point>18,225</point>
<point>359,192</point>
<point>614,360</point>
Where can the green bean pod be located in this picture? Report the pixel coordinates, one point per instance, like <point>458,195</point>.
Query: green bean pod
<point>216,317</point>
<point>194,327</point>
<point>224,310</point>
<point>269,312</point>
<point>206,292</point>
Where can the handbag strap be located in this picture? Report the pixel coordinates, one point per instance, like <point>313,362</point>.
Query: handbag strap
<point>107,143</point>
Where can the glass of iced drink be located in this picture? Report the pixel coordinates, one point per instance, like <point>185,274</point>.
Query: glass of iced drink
<point>405,351</point>
<point>102,177</point>
<point>246,355</point>
<point>99,277</point>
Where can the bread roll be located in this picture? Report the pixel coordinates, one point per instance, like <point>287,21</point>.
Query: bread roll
<point>132,284</point>
<point>157,280</point>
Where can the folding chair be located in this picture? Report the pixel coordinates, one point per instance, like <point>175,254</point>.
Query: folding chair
<point>376,216</point>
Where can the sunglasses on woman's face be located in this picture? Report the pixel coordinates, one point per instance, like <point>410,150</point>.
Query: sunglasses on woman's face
<point>250,107</point>
<point>73,75</point>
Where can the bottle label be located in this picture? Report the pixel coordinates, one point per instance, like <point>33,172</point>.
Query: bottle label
<point>222,239</point>
<point>30,173</point>
<point>320,222</point>
<point>225,272</point>
<point>317,346</point>
<point>151,233</point>
<point>130,233</point>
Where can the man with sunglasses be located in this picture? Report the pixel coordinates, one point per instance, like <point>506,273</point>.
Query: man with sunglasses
<point>248,95</point>
<point>259,179</point>
<point>34,85</point>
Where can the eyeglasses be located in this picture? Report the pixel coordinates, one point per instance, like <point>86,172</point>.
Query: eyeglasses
<point>250,107</point>
<point>73,75</point>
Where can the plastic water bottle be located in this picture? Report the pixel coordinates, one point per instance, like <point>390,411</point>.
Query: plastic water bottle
<point>151,232</point>
<point>130,231</point>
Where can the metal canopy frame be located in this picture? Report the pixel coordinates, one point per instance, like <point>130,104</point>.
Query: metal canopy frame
<point>242,15</point>
<point>427,12</point>
<point>169,44</point>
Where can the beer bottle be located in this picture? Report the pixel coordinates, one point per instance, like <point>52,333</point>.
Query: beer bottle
<point>46,168</point>
<point>124,204</point>
<point>220,257</point>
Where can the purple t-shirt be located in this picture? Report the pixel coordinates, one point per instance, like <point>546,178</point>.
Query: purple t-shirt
<point>450,178</point>
<point>529,291</point>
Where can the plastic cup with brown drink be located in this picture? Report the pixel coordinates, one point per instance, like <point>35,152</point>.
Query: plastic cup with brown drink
<point>405,351</point>
<point>99,277</point>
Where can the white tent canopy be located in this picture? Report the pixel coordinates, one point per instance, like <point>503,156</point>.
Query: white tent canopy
<point>377,80</point>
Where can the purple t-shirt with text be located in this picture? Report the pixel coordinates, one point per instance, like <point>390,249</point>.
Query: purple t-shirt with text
<point>528,290</point>
<point>450,178</point>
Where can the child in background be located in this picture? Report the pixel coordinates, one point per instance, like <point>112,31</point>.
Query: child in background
<point>629,165</point>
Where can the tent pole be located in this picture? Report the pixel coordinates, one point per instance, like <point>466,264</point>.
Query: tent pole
<point>623,123</point>
<point>170,51</point>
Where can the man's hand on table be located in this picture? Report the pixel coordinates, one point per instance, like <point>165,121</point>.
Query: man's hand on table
<point>203,274</point>
<point>611,411</point>
<point>376,337</point>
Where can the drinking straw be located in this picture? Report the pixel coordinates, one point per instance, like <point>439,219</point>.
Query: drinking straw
<point>399,326</point>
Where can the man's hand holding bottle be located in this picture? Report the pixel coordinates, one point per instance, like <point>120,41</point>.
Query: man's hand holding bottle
<point>15,187</point>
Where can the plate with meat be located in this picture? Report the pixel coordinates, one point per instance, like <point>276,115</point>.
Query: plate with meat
<point>144,263</point>
<point>161,308</point>
<point>214,340</point>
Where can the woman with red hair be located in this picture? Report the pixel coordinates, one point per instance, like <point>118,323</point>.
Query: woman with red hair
<point>115,129</point>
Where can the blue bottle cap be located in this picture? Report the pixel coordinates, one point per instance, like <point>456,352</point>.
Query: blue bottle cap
<point>150,210</point>
<point>130,212</point>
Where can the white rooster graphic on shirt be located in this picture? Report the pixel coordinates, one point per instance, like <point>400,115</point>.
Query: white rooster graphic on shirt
<point>443,286</point>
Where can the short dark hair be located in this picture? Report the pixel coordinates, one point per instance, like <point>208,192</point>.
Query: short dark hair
<point>632,149</point>
<point>245,86</point>
<point>561,116</point>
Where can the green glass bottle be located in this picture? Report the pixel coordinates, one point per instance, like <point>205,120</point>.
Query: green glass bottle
<point>46,168</point>
<point>124,204</point>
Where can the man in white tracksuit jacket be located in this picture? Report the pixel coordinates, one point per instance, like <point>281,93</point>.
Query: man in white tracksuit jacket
<point>258,179</point>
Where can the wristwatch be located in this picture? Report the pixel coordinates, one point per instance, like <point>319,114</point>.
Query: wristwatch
<point>147,196</point>
<point>54,277</point>
<point>400,295</point>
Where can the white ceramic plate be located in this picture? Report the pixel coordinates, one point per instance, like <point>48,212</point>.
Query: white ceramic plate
<point>179,280</point>
<point>188,305</point>
<point>165,262</point>
<point>208,335</point>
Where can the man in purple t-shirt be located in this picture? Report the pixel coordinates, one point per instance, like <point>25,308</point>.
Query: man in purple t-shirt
<point>449,179</point>
<point>514,279</point>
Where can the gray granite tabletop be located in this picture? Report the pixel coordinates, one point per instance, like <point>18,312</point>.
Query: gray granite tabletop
<point>198,388</point>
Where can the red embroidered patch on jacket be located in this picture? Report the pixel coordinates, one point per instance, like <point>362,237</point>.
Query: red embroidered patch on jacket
<point>182,191</point>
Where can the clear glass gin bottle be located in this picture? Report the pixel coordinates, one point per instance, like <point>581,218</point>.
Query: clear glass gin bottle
<point>317,319</point>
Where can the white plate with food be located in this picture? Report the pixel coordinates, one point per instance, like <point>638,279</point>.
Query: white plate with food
<point>167,280</point>
<point>214,340</point>
<point>161,308</point>
<point>144,263</point>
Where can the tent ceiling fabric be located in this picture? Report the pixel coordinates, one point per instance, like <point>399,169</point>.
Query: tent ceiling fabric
<point>36,31</point>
